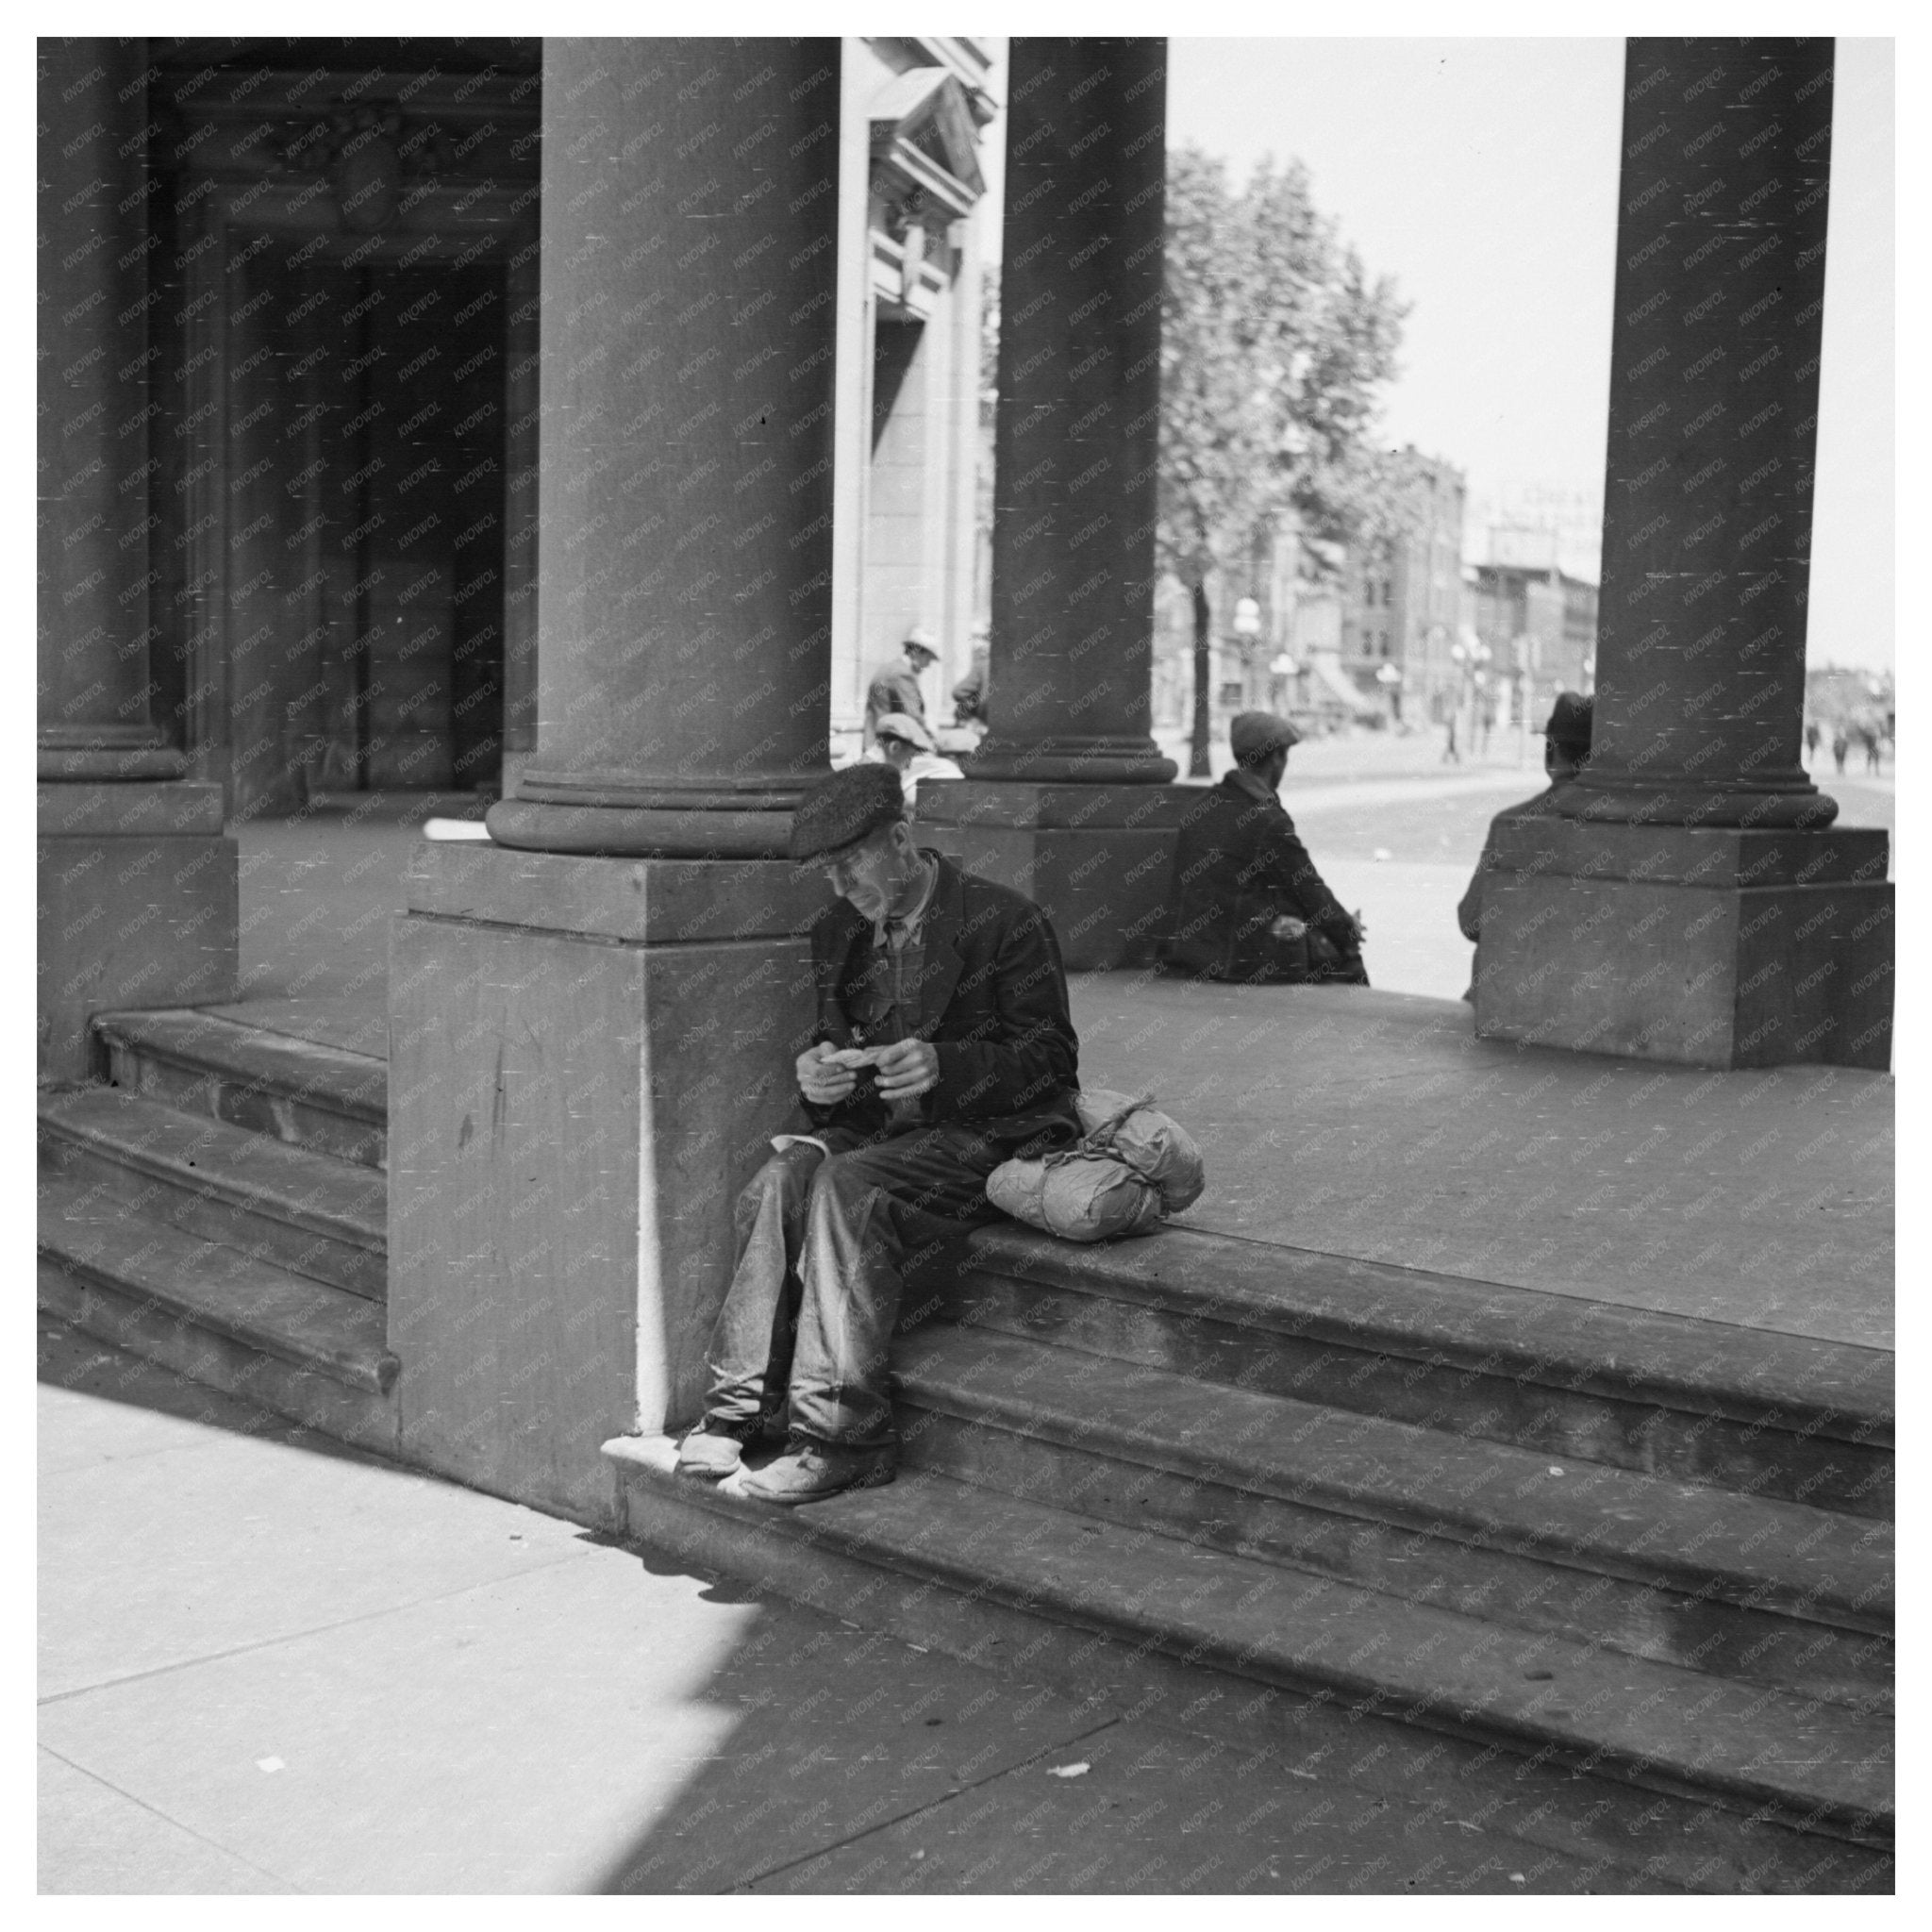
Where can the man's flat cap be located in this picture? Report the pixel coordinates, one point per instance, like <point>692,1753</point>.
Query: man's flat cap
<point>1255,734</point>
<point>920,639</point>
<point>845,808</point>
<point>1569,720</point>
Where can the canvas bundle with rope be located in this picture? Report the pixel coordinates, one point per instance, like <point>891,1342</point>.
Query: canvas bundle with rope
<point>1130,1169</point>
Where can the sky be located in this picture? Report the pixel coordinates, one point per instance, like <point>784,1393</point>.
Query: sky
<point>1481,174</point>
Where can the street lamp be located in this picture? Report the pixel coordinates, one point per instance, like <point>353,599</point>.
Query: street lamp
<point>1283,668</point>
<point>1389,679</point>
<point>1469,656</point>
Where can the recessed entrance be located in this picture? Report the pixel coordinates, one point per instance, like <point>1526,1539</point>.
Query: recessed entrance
<point>365,604</point>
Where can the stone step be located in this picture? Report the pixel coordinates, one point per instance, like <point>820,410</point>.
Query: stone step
<point>132,1280</point>
<point>1763,1591</point>
<point>1245,1627</point>
<point>297,1090</point>
<point>1776,1415</point>
<point>303,1211</point>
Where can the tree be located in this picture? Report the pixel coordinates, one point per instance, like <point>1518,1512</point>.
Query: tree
<point>1274,345</point>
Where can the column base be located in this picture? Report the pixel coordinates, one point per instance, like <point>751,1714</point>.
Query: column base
<point>1703,946</point>
<point>57,764</point>
<point>1097,859</point>
<point>609,832</point>
<point>1790,803</point>
<point>1065,760</point>
<point>587,1058</point>
<point>139,906</point>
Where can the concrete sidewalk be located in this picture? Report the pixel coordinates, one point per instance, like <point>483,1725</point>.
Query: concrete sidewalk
<point>269,1664</point>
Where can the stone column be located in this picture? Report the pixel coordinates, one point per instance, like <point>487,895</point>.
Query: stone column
<point>1690,902</point>
<point>684,600</point>
<point>1714,357</point>
<point>137,884</point>
<point>1064,804</point>
<point>1076,439</point>
<point>593,1037</point>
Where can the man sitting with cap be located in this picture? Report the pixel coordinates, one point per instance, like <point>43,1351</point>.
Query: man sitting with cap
<point>943,1046</point>
<point>1566,751</point>
<point>907,746</point>
<point>1253,908</point>
<point>895,685</point>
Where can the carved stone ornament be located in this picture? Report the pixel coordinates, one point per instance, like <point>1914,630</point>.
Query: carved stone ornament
<point>368,179</point>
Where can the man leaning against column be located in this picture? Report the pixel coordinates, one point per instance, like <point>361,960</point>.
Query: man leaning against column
<point>943,1045</point>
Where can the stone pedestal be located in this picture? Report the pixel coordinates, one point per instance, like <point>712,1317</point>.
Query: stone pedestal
<point>1711,947</point>
<point>587,1058</point>
<point>137,906</point>
<point>1097,859</point>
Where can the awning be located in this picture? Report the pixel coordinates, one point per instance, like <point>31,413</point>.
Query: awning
<point>1335,679</point>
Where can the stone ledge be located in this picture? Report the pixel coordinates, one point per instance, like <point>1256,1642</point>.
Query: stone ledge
<point>1690,855</point>
<point>635,901</point>
<point>134,809</point>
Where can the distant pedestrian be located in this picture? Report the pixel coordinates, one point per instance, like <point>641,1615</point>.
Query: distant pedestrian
<point>1868,736</point>
<point>895,683</point>
<point>969,695</point>
<point>1840,745</point>
<point>1812,734</point>
<point>1450,755</point>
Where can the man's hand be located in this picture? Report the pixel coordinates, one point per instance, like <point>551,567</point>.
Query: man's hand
<point>1361,932</point>
<point>906,1069</point>
<point>1288,927</point>
<point>826,1075</point>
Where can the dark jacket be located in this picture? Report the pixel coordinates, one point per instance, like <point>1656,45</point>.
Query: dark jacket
<point>994,1000</point>
<point>1238,866</point>
<point>894,688</point>
<point>1469,914</point>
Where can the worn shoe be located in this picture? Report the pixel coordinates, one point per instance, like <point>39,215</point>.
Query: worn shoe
<point>709,1454</point>
<point>808,1472</point>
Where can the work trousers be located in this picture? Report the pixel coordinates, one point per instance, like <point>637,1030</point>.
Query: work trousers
<point>823,1240</point>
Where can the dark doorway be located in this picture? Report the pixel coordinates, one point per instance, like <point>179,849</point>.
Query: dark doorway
<point>365,512</point>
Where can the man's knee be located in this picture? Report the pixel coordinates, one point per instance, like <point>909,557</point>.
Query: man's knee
<point>784,1178</point>
<point>847,1176</point>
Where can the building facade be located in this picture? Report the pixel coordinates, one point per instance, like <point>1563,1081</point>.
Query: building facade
<point>1402,597</point>
<point>341,350</point>
<point>1537,622</point>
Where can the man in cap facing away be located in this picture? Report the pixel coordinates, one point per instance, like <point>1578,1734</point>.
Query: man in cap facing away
<point>895,685</point>
<point>1566,751</point>
<point>907,746</point>
<point>943,1045</point>
<point>1253,908</point>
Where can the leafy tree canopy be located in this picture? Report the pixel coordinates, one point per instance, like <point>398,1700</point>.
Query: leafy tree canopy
<point>1275,345</point>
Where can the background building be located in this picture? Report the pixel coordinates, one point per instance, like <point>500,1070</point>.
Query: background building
<point>1536,622</point>
<point>1340,632</point>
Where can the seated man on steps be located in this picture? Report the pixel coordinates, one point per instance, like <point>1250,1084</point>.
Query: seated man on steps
<point>943,1046</point>
<point>1252,907</point>
<point>1566,751</point>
